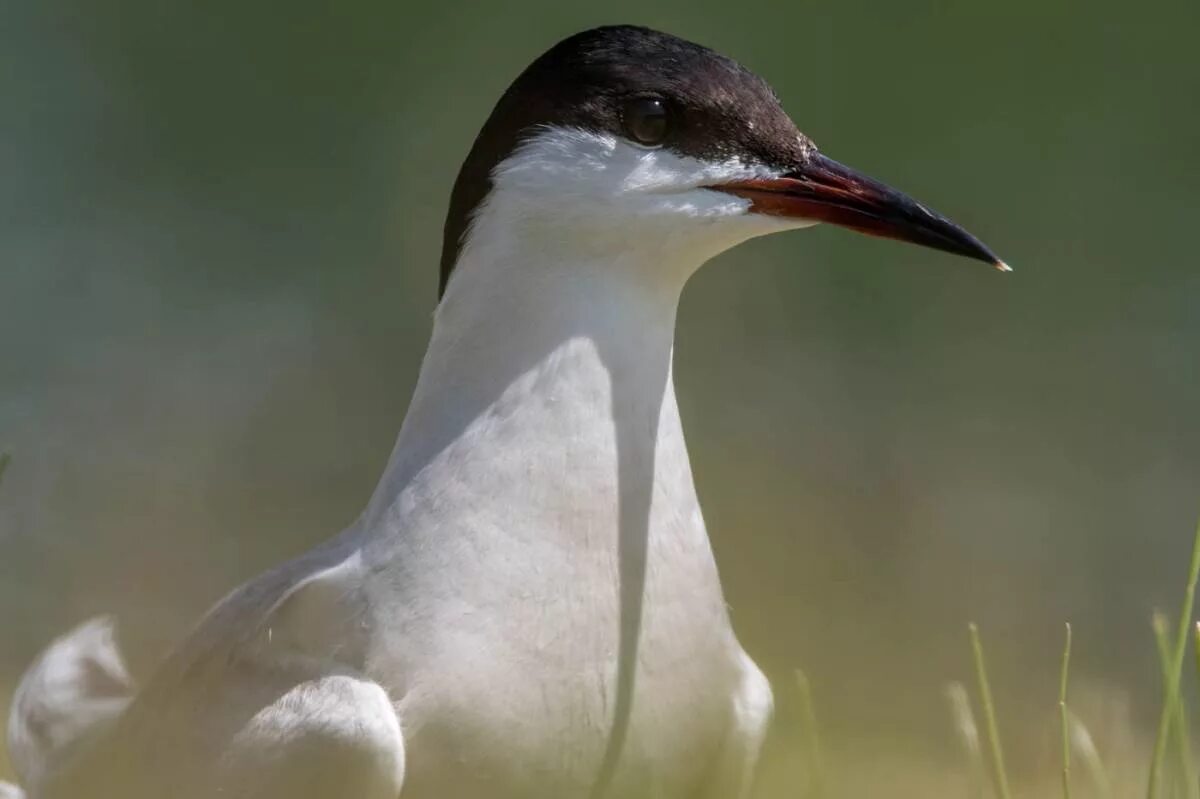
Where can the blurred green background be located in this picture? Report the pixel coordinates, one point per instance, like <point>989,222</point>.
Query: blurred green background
<point>219,225</point>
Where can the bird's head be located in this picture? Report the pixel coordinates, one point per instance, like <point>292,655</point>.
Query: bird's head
<point>627,139</point>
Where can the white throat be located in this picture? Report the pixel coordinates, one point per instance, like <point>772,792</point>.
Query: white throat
<point>543,403</point>
<point>545,399</point>
<point>539,502</point>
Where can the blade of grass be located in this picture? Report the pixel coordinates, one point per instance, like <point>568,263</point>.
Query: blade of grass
<point>816,766</point>
<point>5,459</point>
<point>1175,670</point>
<point>1062,716</point>
<point>1196,647</point>
<point>1178,727</point>
<point>1159,623</point>
<point>989,715</point>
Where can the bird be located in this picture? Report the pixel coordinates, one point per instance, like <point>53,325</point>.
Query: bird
<point>529,604</point>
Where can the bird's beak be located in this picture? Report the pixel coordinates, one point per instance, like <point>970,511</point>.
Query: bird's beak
<point>823,190</point>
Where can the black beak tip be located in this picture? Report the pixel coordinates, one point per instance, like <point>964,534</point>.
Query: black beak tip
<point>934,230</point>
<point>873,207</point>
<point>979,251</point>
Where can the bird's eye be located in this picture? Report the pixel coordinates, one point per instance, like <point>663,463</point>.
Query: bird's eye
<point>646,120</point>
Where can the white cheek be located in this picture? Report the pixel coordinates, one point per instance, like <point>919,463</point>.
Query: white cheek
<point>596,167</point>
<point>568,184</point>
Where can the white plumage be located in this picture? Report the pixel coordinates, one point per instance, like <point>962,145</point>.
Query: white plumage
<point>529,605</point>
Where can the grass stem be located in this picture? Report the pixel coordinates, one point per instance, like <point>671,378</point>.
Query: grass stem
<point>989,715</point>
<point>1172,671</point>
<point>1196,647</point>
<point>1178,728</point>
<point>1062,716</point>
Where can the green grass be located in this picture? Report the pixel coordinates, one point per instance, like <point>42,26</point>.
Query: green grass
<point>1063,721</point>
<point>1172,657</point>
<point>1173,718</point>
<point>999,772</point>
<point>1171,768</point>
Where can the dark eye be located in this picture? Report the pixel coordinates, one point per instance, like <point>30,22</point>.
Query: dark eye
<point>646,120</point>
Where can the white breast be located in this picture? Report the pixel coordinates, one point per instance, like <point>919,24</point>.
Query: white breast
<point>540,567</point>
<point>529,605</point>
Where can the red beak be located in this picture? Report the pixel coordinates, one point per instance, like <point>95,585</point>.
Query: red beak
<point>826,191</point>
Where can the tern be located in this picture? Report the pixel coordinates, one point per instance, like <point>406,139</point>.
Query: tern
<point>529,604</point>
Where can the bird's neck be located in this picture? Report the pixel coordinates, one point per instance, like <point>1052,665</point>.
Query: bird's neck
<point>545,404</point>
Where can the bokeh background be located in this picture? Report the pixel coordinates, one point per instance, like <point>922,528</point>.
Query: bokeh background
<point>219,226</point>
